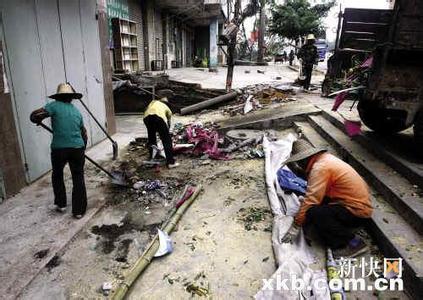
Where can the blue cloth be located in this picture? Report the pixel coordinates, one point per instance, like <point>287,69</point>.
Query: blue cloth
<point>290,182</point>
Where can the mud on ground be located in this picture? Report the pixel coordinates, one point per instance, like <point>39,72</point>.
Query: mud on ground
<point>218,236</point>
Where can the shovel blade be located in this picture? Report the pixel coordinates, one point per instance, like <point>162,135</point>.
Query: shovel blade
<point>118,178</point>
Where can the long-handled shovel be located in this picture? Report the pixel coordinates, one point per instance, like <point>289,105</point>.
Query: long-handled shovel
<point>114,144</point>
<point>117,177</point>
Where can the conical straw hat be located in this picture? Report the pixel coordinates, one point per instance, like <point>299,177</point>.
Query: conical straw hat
<point>302,149</point>
<point>65,91</point>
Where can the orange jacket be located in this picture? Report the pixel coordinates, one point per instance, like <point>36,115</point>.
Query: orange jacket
<point>331,177</point>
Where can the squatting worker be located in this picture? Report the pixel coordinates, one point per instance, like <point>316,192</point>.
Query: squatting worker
<point>309,56</point>
<point>68,146</point>
<point>336,202</point>
<point>157,119</point>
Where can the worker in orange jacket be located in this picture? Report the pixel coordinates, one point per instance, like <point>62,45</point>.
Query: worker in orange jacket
<point>336,201</point>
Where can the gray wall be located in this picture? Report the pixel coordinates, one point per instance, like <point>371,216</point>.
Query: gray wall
<point>34,32</point>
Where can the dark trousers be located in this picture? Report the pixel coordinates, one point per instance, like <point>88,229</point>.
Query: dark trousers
<point>155,125</point>
<point>76,159</point>
<point>334,224</point>
<point>307,70</point>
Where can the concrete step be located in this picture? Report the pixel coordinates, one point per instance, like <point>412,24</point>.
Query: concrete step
<point>397,190</point>
<point>394,236</point>
<point>273,116</point>
<point>411,170</point>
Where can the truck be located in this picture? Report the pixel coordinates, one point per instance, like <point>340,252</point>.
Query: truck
<point>392,99</point>
<point>322,47</point>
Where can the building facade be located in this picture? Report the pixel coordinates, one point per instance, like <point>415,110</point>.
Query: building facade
<point>170,33</point>
<point>44,43</point>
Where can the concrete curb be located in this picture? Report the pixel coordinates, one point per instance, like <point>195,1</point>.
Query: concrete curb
<point>411,173</point>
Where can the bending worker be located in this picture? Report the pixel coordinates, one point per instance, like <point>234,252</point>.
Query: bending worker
<point>157,119</point>
<point>336,201</point>
<point>68,146</point>
<point>309,56</point>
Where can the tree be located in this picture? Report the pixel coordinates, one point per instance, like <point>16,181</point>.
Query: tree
<point>297,18</point>
<point>262,25</point>
<point>239,16</point>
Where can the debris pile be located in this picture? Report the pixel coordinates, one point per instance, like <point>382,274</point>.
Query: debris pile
<point>257,96</point>
<point>203,140</point>
<point>199,139</point>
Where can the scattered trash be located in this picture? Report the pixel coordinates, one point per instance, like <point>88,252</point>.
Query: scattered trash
<point>248,106</point>
<point>165,244</point>
<point>257,96</point>
<point>106,288</point>
<point>253,215</point>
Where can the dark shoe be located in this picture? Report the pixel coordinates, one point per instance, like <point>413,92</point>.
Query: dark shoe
<point>355,247</point>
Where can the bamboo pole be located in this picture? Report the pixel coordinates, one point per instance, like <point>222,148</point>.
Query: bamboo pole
<point>145,259</point>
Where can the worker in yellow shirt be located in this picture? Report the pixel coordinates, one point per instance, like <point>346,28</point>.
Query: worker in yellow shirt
<point>157,119</point>
<point>337,199</point>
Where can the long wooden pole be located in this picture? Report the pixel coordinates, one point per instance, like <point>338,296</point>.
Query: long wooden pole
<point>145,259</point>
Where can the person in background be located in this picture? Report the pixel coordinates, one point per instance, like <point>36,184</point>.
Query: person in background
<point>310,57</point>
<point>67,146</point>
<point>157,119</point>
<point>337,199</point>
<point>291,57</point>
<point>285,56</point>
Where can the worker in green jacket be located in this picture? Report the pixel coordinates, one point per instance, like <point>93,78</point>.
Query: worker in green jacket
<point>68,146</point>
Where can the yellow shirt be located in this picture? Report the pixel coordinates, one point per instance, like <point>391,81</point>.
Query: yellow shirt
<point>160,109</point>
<point>329,176</point>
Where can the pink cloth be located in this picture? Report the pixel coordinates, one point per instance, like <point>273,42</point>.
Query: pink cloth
<point>206,141</point>
<point>367,63</point>
<point>339,99</point>
<point>352,128</point>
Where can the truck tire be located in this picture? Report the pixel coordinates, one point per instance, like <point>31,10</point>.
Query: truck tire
<point>418,132</point>
<point>379,119</point>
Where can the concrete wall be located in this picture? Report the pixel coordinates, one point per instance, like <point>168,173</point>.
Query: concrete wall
<point>48,42</point>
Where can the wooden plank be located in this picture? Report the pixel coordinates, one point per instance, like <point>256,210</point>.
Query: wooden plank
<point>367,15</point>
